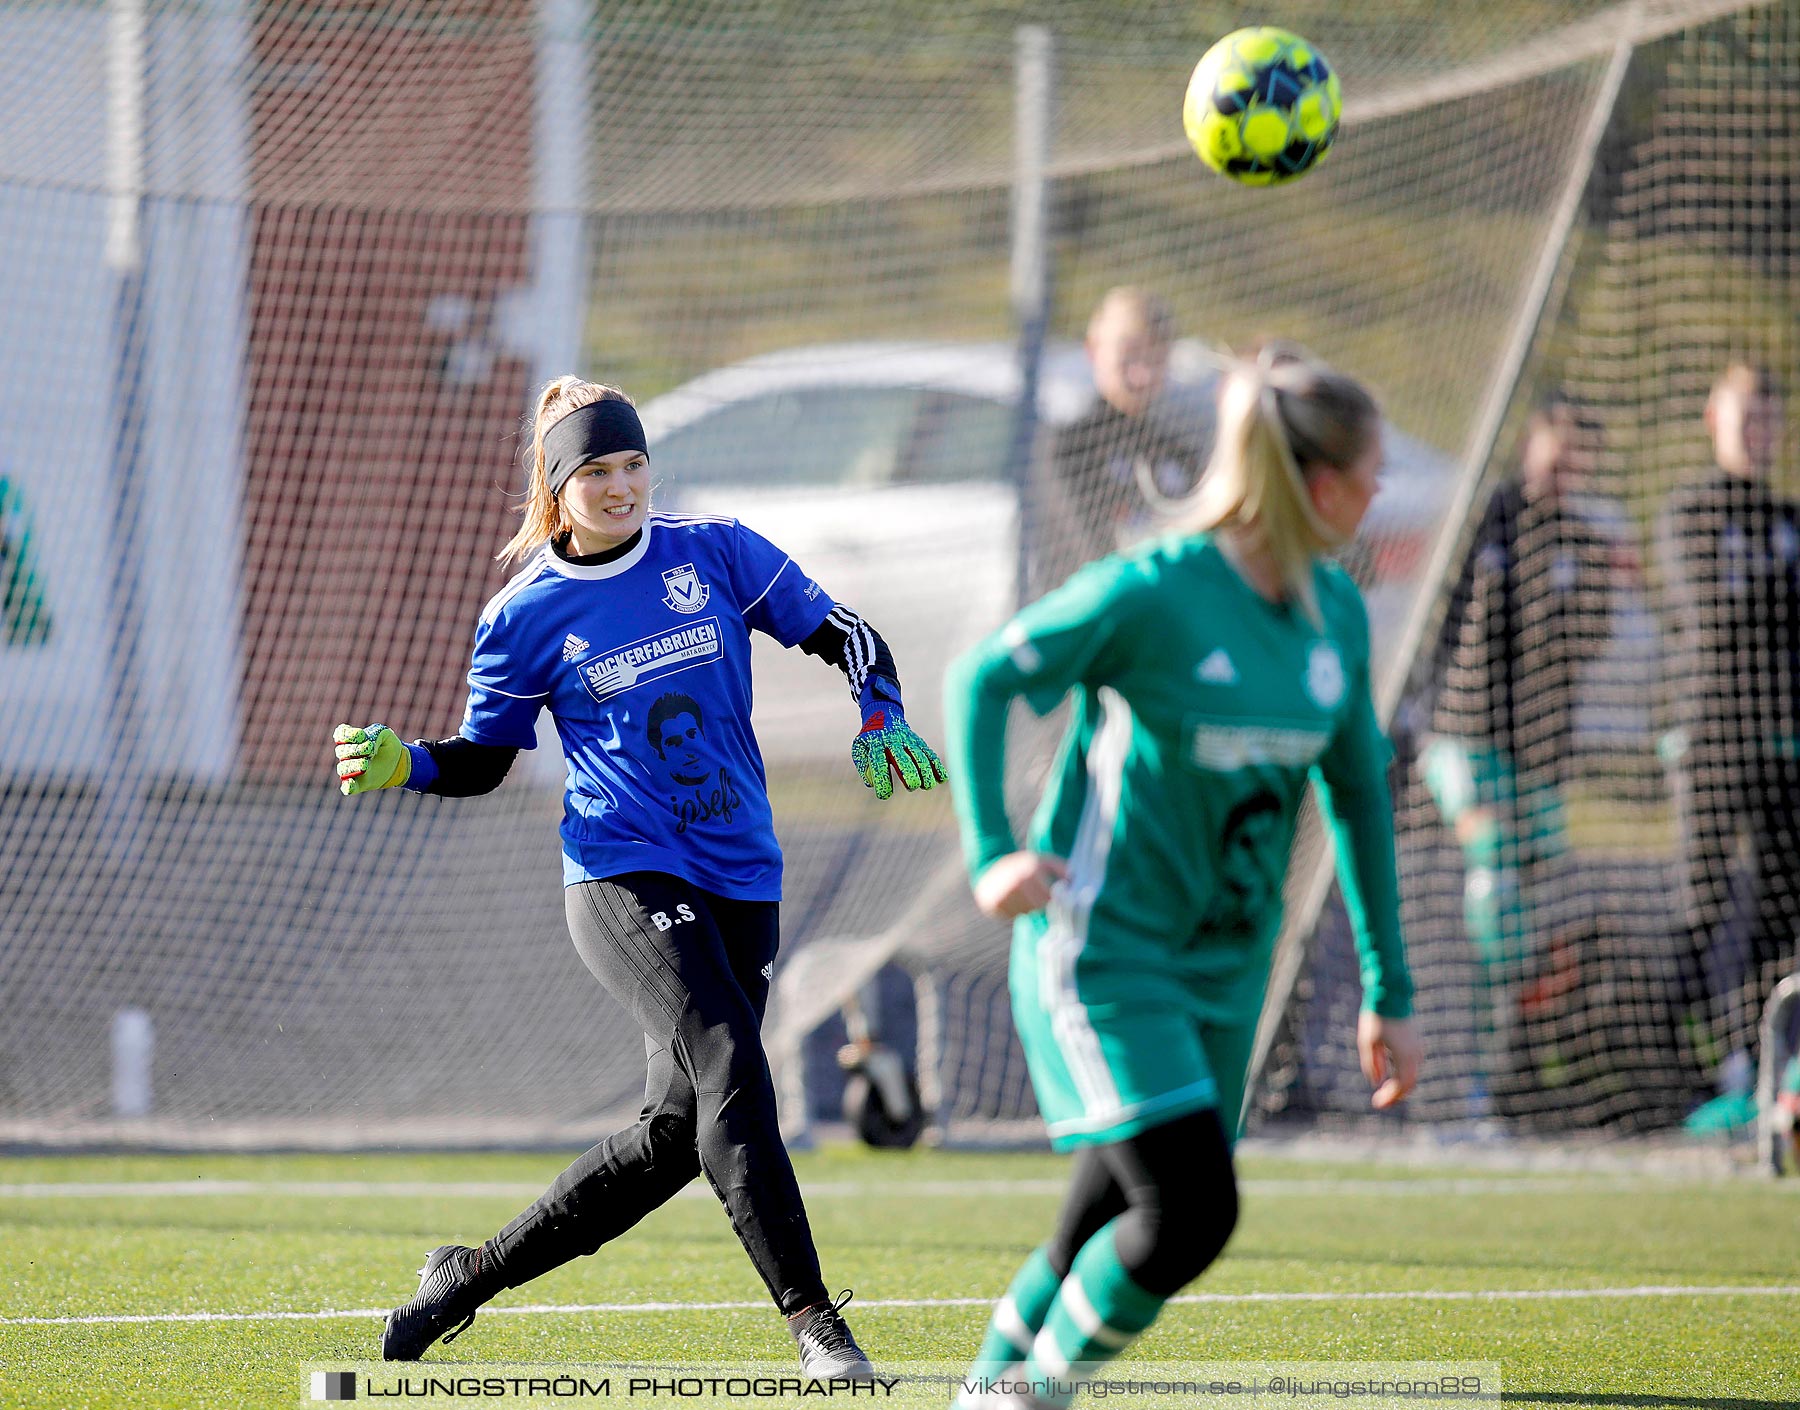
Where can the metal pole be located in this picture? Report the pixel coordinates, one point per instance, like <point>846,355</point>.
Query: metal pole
<point>562,127</point>
<point>1034,119</point>
<point>124,133</point>
<point>124,771</point>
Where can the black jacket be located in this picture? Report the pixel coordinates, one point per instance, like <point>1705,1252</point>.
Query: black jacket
<point>1533,603</point>
<point>1730,560</point>
<point>1094,504</point>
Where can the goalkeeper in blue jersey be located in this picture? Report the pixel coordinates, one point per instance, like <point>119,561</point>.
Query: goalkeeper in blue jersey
<point>633,630</point>
<point>1213,670</point>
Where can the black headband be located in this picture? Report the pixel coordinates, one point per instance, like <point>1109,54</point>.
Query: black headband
<point>587,433</point>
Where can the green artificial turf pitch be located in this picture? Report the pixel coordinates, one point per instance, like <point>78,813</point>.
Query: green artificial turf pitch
<point>91,1241</point>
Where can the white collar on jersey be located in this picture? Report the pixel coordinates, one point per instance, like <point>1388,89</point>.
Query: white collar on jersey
<point>601,570</point>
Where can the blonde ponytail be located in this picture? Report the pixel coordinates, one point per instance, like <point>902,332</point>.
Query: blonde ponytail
<point>1280,418</point>
<point>543,514</point>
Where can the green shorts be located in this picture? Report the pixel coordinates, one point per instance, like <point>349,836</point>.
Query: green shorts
<point>1105,1068</point>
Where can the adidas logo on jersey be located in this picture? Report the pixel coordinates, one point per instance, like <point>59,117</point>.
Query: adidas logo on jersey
<point>1217,669</point>
<point>768,970</point>
<point>573,646</point>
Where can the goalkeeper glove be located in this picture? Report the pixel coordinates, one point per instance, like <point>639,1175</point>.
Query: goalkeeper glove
<point>369,758</point>
<point>888,746</point>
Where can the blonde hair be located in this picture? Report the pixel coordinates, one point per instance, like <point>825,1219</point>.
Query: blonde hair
<point>543,513</point>
<point>1280,416</point>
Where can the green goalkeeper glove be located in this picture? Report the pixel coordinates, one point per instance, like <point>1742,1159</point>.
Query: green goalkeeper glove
<point>888,746</point>
<point>369,758</point>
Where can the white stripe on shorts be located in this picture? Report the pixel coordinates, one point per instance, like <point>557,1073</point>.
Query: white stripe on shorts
<point>1069,912</point>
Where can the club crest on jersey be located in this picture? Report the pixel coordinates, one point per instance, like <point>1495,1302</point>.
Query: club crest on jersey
<point>686,592</point>
<point>1325,675</point>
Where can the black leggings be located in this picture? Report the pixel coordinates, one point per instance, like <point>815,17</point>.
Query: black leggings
<point>1174,1194</point>
<point>692,969</point>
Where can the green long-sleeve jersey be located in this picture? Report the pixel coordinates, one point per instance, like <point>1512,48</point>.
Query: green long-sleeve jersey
<point>1200,710</point>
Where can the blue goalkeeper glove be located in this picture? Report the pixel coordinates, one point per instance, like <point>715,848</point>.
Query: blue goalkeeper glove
<point>888,746</point>
<point>369,758</point>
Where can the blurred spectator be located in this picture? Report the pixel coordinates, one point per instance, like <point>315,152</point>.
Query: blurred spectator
<point>1531,605</point>
<point>1095,502</point>
<point>1730,553</point>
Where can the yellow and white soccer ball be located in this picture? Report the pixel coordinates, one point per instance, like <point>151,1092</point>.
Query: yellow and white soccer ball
<point>1262,107</point>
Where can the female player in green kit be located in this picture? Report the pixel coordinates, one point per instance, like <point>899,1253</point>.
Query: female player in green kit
<point>1213,670</point>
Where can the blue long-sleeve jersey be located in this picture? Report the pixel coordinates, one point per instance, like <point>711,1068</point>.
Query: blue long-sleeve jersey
<point>644,664</point>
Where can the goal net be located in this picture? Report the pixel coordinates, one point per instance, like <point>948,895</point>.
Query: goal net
<point>277,282</point>
<point>1597,792</point>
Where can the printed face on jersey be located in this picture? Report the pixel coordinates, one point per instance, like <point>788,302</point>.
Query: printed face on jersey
<point>606,500</point>
<point>698,788</point>
<point>677,735</point>
<point>1244,852</point>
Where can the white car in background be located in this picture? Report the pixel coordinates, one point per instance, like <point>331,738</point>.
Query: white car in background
<point>882,467</point>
